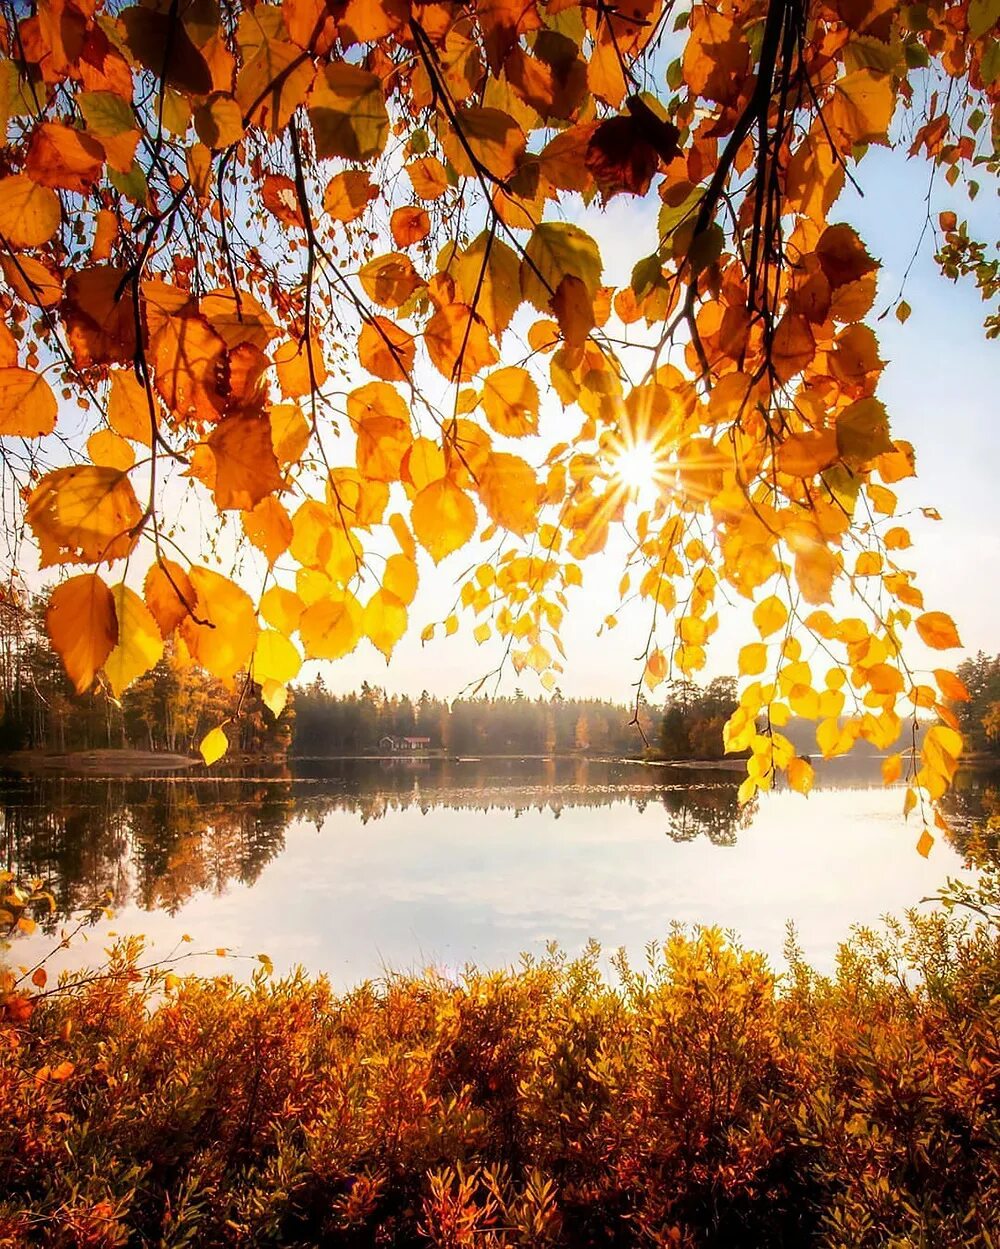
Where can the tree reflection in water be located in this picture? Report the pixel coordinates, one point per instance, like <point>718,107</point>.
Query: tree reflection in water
<point>158,841</point>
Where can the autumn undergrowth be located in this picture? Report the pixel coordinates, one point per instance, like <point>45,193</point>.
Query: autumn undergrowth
<point>702,1099</point>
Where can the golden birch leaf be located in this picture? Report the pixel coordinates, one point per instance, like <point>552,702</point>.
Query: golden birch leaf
<point>443,517</point>
<point>331,627</point>
<point>129,407</point>
<point>106,448</point>
<point>385,621</point>
<point>274,696</point>
<point>509,491</point>
<point>140,645</point>
<point>27,404</point>
<point>770,615</point>
<point>800,775</point>
<point>213,746</point>
<point>269,527</point>
<point>275,658</point>
<point>937,630</point>
<point>84,514</point>
<point>82,626</point>
<point>170,596</point>
<point>282,609</point>
<point>510,401</point>
<point>555,250</point>
<point>348,194</point>
<point>29,213</point>
<point>222,632</point>
<point>348,113</point>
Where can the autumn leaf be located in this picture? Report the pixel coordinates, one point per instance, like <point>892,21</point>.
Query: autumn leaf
<point>82,626</point>
<point>937,630</point>
<point>29,211</point>
<point>348,194</point>
<point>27,404</point>
<point>221,631</point>
<point>509,491</point>
<point>444,518</point>
<point>169,594</point>
<point>139,645</point>
<point>84,514</point>
<point>348,113</point>
<point>331,627</point>
<point>213,746</point>
<point>510,401</point>
<point>62,157</point>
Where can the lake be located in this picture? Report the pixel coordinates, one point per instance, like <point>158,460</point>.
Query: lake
<point>356,868</point>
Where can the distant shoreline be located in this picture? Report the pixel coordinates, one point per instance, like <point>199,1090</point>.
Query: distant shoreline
<point>127,762</point>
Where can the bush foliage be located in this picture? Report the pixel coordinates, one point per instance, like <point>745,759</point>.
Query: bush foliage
<point>702,1100</point>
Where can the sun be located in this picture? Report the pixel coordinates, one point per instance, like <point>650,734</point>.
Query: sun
<point>641,468</point>
<point>637,467</point>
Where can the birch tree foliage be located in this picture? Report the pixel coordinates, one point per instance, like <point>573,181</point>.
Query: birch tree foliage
<point>236,239</point>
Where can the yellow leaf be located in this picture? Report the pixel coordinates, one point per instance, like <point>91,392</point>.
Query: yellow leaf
<point>509,492</point>
<point>213,746</point>
<point>275,658</point>
<point>27,404</point>
<point>82,626</point>
<point>892,769</point>
<point>268,527</point>
<point>348,194</point>
<point>862,105</point>
<point>556,250</point>
<point>128,407</point>
<point>84,514</point>
<point>510,401</point>
<point>29,214</point>
<point>443,518</point>
<point>171,980</point>
<point>937,630</point>
<point>770,615</point>
<point>169,595</point>
<point>925,843</point>
<point>400,578</point>
<point>106,448</point>
<point>281,608</point>
<point>274,696</point>
<point>348,113</point>
<point>222,632</point>
<point>384,621</point>
<point>331,627</point>
<point>139,646</point>
<point>752,659</point>
<point>800,775</point>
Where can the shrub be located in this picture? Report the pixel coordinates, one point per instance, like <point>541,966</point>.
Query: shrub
<point>699,1101</point>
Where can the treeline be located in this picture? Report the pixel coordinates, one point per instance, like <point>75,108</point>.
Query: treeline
<point>169,709</point>
<point>357,723</point>
<point>979,717</point>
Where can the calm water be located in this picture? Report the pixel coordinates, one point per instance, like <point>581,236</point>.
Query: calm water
<point>356,868</point>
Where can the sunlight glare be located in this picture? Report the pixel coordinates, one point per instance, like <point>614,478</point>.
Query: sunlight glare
<point>638,467</point>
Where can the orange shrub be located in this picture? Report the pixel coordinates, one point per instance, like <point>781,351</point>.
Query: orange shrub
<point>702,1101</point>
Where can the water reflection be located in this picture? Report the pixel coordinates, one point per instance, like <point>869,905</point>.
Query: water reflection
<point>157,841</point>
<point>491,855</point>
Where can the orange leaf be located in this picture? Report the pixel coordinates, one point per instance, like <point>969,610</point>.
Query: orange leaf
<point>59,156</point>
<point>348,194</point>
<point>27,404</point>
<point>29,213</point>
<point>409,225</point>
<point>443,517</point>
<point>386,350</point>
<point>937,630</point>
<point>82,626</point>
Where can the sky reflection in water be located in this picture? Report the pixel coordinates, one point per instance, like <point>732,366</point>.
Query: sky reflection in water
<point>357,870</point>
